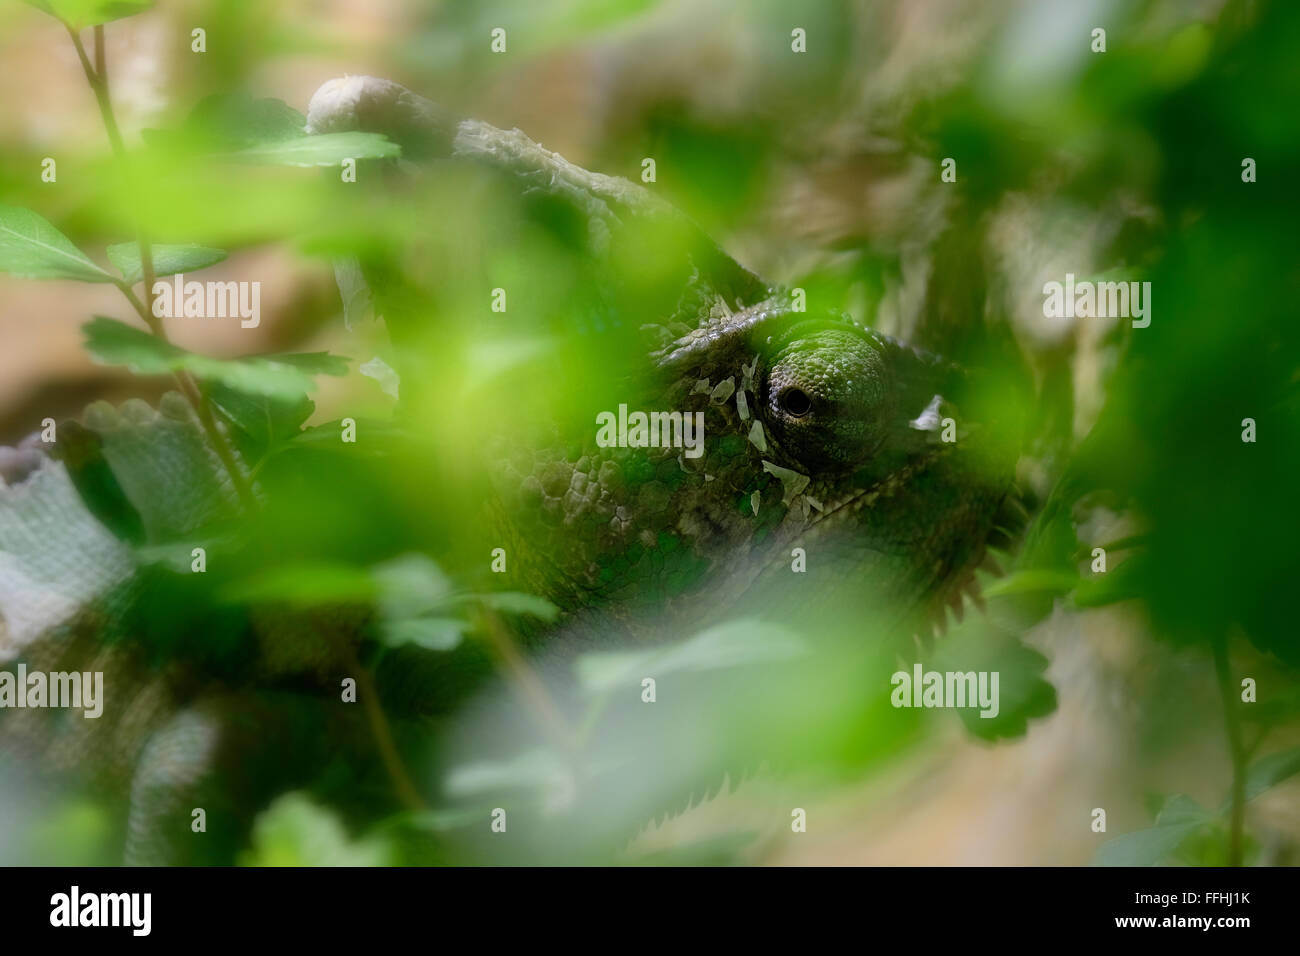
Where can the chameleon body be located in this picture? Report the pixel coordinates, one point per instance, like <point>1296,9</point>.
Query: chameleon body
<point>820,437</point>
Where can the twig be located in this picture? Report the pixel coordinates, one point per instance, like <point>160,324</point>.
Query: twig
<point>1232,722</point>
<point>97,77</point>
<point>381,732</point>
<point>529,685</point>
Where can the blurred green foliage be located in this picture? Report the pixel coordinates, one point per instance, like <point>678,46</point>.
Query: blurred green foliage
<point>1160,123</point>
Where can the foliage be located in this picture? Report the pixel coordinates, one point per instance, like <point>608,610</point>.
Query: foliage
<point>1135,429</point>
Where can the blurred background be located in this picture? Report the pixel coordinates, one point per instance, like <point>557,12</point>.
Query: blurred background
<point>822,170</point>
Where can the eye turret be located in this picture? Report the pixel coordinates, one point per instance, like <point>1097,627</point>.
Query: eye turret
<point>827,398</point>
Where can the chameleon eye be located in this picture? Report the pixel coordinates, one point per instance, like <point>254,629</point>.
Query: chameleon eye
<point>795,401</point>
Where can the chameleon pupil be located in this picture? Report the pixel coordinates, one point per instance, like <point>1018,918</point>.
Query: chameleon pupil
<point>796,402</point>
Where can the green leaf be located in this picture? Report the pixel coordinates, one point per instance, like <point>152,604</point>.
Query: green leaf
<point>87,13</point>
<point>296,831</point>
<point>1144,847</point>
<point>1035,580</point>
<point>1268,772</point>
<point>1180,817</point>
<point>231,121</point>
<point>33,249</point>
<point>1180,809</point>
<point>410,585</point>
<point>354,291</point>
<point>743,641</point>
<point>382,373</point>
<point>261,422</point>
<point>167,260</point>
<point>1023,694</point>
<point>327,149</point>
<point>162,462</point>
<point>305,585</point>
<point>431,633</point>
<point>281,376</point>
<point>514,602</point>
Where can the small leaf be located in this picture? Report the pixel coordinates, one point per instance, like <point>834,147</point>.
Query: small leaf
<point>32,248</point>
<point>296,831</point>
<point>514,602</point>
<point>261,421</point>
<point>167,260</point>
<point>383,373</point>
<point>410,585</point>
<point>1269,771</point>
<point>282,376</point>
<point>1144,847</point>
<point>1031,581</point>
<point>431,633</point>
<point>354,291</point>
<point>1022,693</point>
<point>1179,818</point>
<point>88,13</point>
<point>327,149</point>
<point>231,121</point>
<point>1180,809</point>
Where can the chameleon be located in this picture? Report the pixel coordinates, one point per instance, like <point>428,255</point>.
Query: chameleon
<point>823,440</point>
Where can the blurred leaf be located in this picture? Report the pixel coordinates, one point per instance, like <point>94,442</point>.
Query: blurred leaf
<point>538,770</point>
<point>354,291</point>
<point>743,641</point>
<point>32,248</point>
<point>306,585</point>
<point>76,833</point>
<point>416,604</point>
<point>230,121</point>
<point>410,585</point>
<point>1032,581</point>
<point>86,13</point>
<point>167,260</point>
<point>1269,771</point>
<point>1179,819</point>
<point>1180,809</point>
<point>383,373</point>
<point>326,149</point>
<point>1022,694</point>
<point>721,850</point>
<point>163,463</point>
<point>262,421</point>
<point>1276,708</point>
<point>431,633</point>
<point>281,376</point>
<point>514,602</point>
<point>296,831</point>
<point>1144,847</point>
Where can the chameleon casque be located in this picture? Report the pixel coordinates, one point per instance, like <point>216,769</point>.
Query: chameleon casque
<point>820,434</point>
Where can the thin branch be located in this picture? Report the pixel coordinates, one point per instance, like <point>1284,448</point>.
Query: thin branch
<point>529,686</point>
<point>1232,722</point>
<point>97,77</point>
<point>381,732</point>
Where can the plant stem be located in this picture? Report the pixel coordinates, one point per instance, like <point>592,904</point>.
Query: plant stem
<point>530,686</point>
<point>1236,750</point>
<point>97,77</point>
<point>381,732</point>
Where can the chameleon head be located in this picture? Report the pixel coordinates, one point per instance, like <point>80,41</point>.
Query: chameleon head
<point>827,396</point>
<point>855,448</point>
